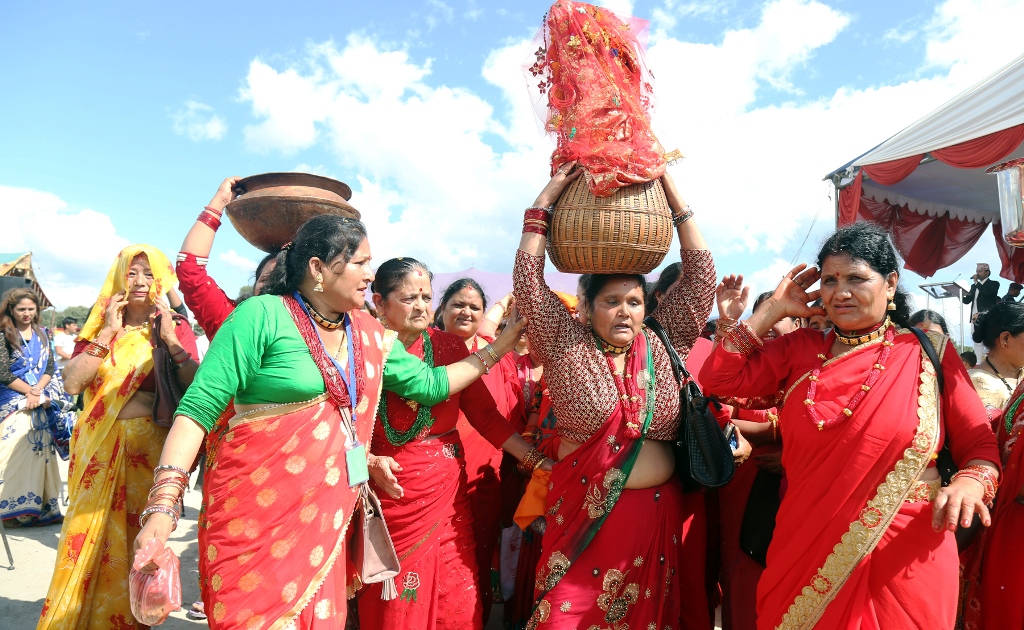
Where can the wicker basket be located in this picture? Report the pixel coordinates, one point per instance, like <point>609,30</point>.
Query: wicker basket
<point>628,232</point>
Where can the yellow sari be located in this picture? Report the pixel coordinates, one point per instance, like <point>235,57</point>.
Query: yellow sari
<point>110,474</point>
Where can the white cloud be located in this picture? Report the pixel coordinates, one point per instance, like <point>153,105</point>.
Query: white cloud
<point>236,260</point>
<point>622,8</point>
<point>70,274</point>
<point>974,37</point>
<point>198,122</point>
<point>431,182</point>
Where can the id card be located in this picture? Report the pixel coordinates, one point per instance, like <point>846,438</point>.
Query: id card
<point>355,464</point>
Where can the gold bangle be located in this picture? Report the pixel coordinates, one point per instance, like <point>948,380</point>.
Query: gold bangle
<point>490,351</point>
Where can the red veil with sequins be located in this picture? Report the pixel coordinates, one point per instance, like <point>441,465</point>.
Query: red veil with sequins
<point>593,91</point>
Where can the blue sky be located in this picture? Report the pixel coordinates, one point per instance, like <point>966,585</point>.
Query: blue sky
<point>120,119</point>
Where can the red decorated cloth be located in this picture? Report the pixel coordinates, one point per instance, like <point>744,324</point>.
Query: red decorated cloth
<point>594,89</point>
<point>848,551</point>
<point>274,533</point>
<point>610,566</point>
<point>432,525</point>
<point>998,602</point>
<point>207,301</point>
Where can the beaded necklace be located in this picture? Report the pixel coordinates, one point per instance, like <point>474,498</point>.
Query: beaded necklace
<point>608,348</point>
<point>323,321</point>
<point>1008,388</point>
<point>853,339</point>
<point>628,387</point>
<point>873,376</point>
<point>423,417</point>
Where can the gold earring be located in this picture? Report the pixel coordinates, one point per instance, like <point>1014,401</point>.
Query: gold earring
<point>891,306</point>
<point>319,288</point>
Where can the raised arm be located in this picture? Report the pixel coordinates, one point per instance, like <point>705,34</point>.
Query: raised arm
<point>204,298</point>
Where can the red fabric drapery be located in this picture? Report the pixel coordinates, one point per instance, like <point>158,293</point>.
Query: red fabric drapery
<point>931,243</point>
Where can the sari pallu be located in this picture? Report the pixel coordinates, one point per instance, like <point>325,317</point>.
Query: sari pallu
<point>602,567</point>
<point>109,477</point>
<point>848,551</point>
<point>274,535</point>
<point>433,534</point>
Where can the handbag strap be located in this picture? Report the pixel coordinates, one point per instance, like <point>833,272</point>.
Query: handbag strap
<point>929,349</point>
<point>678,367</point>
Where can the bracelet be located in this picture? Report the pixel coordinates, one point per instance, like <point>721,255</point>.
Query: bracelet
<point>531,461</point>
<point>744,339</point>
<point>491,353</point>
<point>542,214</point>
<point>682,218</point>
<point>536,229</point>
<point>97,349</point>
<point>215,211</point>
<point>984,476</point>
<point>209,220</point>
<point>177,469</point>
<point>546,211</point>
<point>477,354</point>
<point>159,509</point>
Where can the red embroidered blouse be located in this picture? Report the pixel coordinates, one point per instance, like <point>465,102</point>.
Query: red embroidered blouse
<point>475,401</point>
<point>582,388</point>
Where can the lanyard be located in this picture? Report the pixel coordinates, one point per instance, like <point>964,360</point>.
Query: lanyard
<point>350,382</point>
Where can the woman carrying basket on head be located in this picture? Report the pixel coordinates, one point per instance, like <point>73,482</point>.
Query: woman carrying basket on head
<point>611,549</point>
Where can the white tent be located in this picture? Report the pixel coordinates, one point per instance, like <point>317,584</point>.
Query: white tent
<point>927,170</point>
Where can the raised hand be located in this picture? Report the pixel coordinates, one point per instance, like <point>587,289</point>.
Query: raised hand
<point>791,298</point>
<point>732,296</point>
<point>556,185</point>
<point>113,317</point>
<point>225,194</point>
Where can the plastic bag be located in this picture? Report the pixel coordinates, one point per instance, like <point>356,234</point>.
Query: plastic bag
<point>154,596</point>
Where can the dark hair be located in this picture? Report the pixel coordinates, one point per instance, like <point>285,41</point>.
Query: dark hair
<point>969,357</point>
<point>594,282</point>
<point>459,285</point>
<point>68,320</point>
<point>326,237</point>
<point>263,263</point>
<point>931,316</point>
<point>870,243</point>
<point>10,300</point>
<point>760,299</point>
<point>392,272</point>
<point>668,277</point>
<point>1003,317</point>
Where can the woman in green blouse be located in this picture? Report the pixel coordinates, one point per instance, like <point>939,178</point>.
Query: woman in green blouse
<point>305,368</point>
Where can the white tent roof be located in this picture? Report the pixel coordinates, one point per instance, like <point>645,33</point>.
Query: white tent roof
<point>993,104</point>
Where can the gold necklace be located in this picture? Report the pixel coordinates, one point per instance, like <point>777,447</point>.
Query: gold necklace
<point>608,348</point>
<point>856,340</point>
<point>128,328</point>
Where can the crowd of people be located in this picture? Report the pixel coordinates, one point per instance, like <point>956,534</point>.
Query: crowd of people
<point>524,450</point>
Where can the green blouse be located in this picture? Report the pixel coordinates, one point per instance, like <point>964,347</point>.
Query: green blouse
<point>259,358</point>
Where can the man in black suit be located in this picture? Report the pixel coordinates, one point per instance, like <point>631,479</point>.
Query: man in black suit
<point>984,294</point>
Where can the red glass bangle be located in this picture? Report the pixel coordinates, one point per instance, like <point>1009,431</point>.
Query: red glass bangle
<point>536,229</point>
<point>537,213</point>
<point>209,220</point>
<point>215,211</point>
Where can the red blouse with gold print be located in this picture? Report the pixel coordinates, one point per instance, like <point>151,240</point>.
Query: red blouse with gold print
<point>582,389</point>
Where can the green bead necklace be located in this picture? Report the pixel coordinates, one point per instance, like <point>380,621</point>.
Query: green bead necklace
<point>423,417</point>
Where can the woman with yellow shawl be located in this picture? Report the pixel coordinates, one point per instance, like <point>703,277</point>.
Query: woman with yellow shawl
<point>115,444</point>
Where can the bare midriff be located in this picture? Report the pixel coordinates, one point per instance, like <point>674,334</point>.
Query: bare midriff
<point>138,406</point>
<point>654,466</point>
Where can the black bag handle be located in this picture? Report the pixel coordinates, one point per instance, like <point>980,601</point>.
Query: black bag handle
<point>678,367</point>
<point>929,349</point>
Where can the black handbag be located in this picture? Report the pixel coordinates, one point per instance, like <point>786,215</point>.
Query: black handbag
<point>945,463</point>
<point>703,455</point>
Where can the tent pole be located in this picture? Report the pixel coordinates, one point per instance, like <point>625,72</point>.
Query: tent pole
<point>835,201</point>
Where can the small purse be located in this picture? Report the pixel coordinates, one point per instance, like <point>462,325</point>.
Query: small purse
<point>374,552</point>
<point>703,455</point>
<point>168,391</point>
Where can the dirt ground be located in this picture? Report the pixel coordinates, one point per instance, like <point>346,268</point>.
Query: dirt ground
<point>23,586</point>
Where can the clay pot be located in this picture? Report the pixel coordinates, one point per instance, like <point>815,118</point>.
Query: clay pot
<point>272,207</point>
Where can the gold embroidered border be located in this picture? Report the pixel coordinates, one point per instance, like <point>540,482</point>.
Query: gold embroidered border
<point>270,411</point>
<point>865,532</point>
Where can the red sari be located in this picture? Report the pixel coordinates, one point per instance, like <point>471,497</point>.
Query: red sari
<point>601,564</point>
<point>275,529</point>
<point>1000,601</point>
<point>853,544</point>
<point>432,524</point>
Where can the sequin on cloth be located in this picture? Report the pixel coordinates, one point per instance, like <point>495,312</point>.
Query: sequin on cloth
<point>582,390</point>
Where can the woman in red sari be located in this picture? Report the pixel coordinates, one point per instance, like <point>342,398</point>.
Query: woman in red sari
<point>611,548</point>
<point>864,536</point>
<point>418,464</point>
<point>304,366</point>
